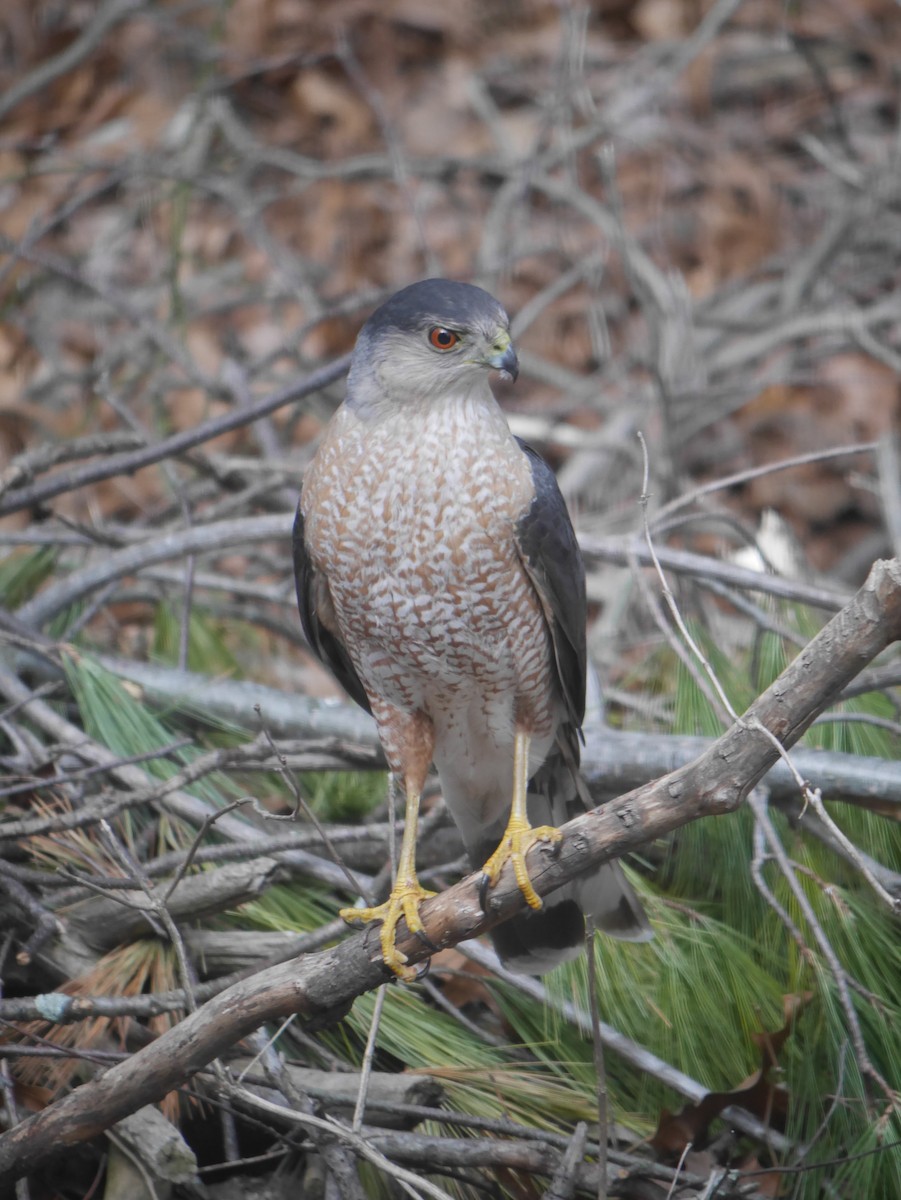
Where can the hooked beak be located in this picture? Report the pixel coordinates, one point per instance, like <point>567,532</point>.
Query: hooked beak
<point>504,357</point>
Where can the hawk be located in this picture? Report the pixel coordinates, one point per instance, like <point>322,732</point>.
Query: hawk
<point>439,578</point>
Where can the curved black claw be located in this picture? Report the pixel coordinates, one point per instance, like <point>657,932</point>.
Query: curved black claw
<point>426,941</point>
<point>484,885</point>
<point>554,848</point>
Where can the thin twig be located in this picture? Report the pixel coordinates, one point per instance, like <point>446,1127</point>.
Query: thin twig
<point>178,443</point>
<point>836,970</point>
<point>597,1044</point>
<point>741,477</point>
<point>301,804</point>
<point>160,909</point>
<point>107,16</point>
<point>412,1184</point>
<point>368,1055</point>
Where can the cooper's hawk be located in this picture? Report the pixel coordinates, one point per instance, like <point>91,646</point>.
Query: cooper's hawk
<point>438,576</point>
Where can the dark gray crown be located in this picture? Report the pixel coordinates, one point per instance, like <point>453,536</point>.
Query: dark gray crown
<point>436,302</point>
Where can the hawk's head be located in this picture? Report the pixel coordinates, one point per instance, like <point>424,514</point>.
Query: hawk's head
<point>434,338</point>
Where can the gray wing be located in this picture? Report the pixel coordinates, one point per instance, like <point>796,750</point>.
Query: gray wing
<point>535,942</point>
<point>325,642</point>
<point>552,559</point>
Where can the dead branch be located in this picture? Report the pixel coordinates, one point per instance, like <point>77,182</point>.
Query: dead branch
<point>173,544</point>
<point>105,921</point>
<point>613,760</point>
<point>269,950</point>
<point>106,18</point>
<point>388,1094</point>
<point>124,464</point>
<point>684,562</point>
<point>320,988</point>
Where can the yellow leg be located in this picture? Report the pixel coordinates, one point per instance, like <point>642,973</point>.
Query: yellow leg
<point>519,837</point>
<point>406,896</point>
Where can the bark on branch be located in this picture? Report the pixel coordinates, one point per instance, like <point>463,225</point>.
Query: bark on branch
<point>321,987</point>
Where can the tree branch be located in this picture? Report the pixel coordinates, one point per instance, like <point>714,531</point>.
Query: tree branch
<point>178,443</point>
<point>107,16</point>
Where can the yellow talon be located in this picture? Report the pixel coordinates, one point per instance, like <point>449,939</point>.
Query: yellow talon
<point>404,901</point>
<point>406,895</point>
<point>519,838</point>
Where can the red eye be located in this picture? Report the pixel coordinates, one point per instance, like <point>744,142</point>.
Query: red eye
<point>443,339</point>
